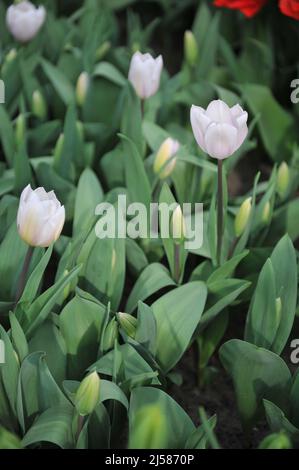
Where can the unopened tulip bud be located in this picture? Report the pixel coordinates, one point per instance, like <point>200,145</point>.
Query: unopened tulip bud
<point>178,226</point>
<point>39,105</point>
<point>149,428</point>
<point>191,48</point>
<point>145,74</point>
<point>11,55</point>
<point>20,129</point>
<point>219,130</point>
<point>110,335</point>
<point>59,147</point>
<point>283,179</point>
<point>80,129</point>
<point>67,288</point>
<point>135,47</point>
<point>242,217</point>
<point>166,153</point>
<point>82,88</point>
<point>128,323</point>
<point>103,50</point>
<point>266,213</point>
<point>88,394</point>
<point>24,20</point>
<point>276,441</point>
<point>40,217</point>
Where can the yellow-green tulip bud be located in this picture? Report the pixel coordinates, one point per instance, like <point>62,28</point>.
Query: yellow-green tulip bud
<point>128,323</point>
<point>59,147</point>
<point>191,48</point>
<point>276,441</point>
<point>88,394</point>
<point>149,428</point>
<point>80,130</point>
<point>178,226</point>
<point>266,214</point>
<point>82,88</point>
<point>242,217</point>
<point>12,54</point>
<point>135,47</point>
<point>20,129</point>
<point>283,179</point>
<point>39,105</point>
<point>102,50</point>
<point>110,335</point>
<point>166,153</point>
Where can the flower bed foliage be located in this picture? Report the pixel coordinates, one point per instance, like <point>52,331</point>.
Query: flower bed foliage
<point>93,328</point>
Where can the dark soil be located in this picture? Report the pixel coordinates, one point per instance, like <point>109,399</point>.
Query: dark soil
<point>217,398</point>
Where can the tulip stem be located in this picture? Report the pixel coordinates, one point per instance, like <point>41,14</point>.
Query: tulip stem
<point>142,108</point>
<point>219,212</point>
<point>177,270</point>
<point>80,426</point>
<point>23,274</point>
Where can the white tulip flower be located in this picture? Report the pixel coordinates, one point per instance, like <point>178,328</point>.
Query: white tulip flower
<point>219,130</point>
<point>40,217</point>
<point>24,20</point>
<point>145,74</point>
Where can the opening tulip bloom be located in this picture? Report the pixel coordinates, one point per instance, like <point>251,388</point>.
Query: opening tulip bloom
<point>40,217</point>
<point>249,8</point>
<point>219,130</point>
<point>24,20</point>
<point>290,8</point>
<point>145,74</point>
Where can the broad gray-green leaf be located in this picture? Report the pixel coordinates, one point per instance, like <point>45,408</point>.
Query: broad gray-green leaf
<point>9,371</point>
<point>177,314</point>
<point>257,374</point>
<point>60,82</point>
<point>108,71</point>
<point>278,421</point>
<point>136,178</point>
<point>178,424</point>
<point>18,337</point>
<point>221,295</point>
<point>48,339</point>
<point>41,308</point>
<point>37,389</point>
<point>274,124</point>
<point>146,332</point>
<point>89,195</point>
<point>153,278</point>
<point>284,264</point>
<point>81,323</point>
<point>263,318</point>
<point>54,426</point>
<point>33,283</point>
